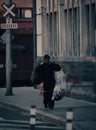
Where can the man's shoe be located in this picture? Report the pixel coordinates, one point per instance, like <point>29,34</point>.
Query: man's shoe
<point>51,105</point>
<point>45,105</point>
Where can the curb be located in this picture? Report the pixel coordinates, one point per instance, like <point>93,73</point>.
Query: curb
<point>58,120</point>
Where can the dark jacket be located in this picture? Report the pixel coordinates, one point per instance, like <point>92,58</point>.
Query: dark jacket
<point>47,71</point>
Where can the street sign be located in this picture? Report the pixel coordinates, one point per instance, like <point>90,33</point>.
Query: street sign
<point>9,26</point>
<point>3,37</point>
<point>8,20</point>
<point>8,10</point>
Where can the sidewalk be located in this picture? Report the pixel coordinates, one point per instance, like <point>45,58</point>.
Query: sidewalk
<point>24,97</point>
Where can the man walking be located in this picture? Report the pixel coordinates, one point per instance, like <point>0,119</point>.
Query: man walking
<point>47,69</point>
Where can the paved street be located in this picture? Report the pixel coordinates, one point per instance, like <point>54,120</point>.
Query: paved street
<point>12,117</point>
<point>84,113</point>
<point>9,112</point>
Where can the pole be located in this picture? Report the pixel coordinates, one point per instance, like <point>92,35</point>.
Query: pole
<point>69,119</point>
<point>8,57</point>
<point>34,38</point>
<point>34,35</point>
<point>32,117</point>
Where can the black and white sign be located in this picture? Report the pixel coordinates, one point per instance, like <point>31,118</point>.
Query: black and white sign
<point>8,10</point>
<point>9,26</point>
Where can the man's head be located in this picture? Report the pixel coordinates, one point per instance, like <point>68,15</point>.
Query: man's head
<point>46,58</point>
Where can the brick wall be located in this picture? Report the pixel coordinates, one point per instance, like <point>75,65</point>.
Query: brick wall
<point>20,3</point>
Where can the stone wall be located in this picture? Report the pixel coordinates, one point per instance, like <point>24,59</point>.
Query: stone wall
<point>84,70</point>
<point>85,88</point>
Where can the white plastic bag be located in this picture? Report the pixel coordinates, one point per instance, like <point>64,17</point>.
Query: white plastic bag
<point>60,87</point>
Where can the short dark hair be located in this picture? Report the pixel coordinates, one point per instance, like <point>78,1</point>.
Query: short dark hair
<point>46,56</point>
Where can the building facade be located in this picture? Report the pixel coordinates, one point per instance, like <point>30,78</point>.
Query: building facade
<point>22,42</point>
<point>66,29</point>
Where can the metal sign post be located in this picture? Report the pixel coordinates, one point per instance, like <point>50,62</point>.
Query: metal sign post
<point>8,63</point>
<point>34,35</point>
<point>8,7</point>
<point>8,58</point>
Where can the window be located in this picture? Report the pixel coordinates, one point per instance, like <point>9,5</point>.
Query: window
<point>28,13</point>
<point>23,13</point>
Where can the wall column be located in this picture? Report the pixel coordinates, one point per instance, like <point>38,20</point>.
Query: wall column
<point>83,29</point>
<point>39,27</point>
